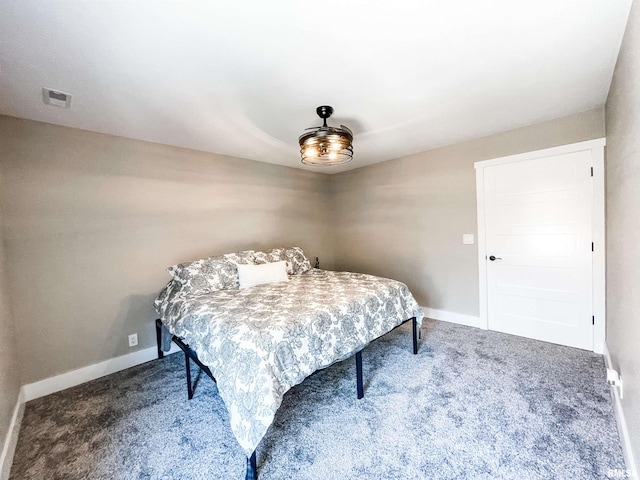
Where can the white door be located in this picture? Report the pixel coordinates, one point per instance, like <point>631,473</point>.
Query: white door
<point>538,221</point>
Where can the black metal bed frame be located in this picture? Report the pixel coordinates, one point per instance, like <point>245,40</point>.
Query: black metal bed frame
<point>189,354</point>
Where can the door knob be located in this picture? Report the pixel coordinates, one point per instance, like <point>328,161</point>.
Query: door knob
<point>492,258</point>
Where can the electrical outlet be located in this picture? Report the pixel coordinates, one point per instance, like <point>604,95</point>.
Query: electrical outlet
<point>133,339</point>
<point>615,380</point>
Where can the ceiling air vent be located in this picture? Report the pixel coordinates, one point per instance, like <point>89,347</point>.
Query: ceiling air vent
<point>56,98</point>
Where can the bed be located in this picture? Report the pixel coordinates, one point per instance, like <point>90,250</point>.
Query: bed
<point>258,342</point>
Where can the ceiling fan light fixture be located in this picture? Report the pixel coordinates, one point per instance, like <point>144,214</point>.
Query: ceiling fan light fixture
<point>326,146</point>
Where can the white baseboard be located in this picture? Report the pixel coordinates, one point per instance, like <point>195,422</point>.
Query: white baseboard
<point>452,317</point>
<point>623,430</point>
<point>70,379</point>
<point>11,440</point>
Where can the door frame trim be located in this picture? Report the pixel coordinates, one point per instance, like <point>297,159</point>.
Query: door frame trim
<point>597,228</point>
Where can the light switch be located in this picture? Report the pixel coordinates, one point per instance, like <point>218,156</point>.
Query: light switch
<point>467,239</point>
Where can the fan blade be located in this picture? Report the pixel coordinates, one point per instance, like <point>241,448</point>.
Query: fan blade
<point>347,129</point>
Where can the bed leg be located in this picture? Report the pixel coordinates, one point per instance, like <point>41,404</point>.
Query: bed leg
<point>189,386</point>
<point>359,374</point>
<point>159,338</point>
<point>252,470</point>
<point>415,335</point>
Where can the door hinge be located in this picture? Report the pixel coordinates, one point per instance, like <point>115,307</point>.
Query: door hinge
<point>592,171</point>
<point>593,320</point>
<point>592,246</point>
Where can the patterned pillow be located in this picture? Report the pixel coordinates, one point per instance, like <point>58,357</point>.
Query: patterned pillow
<point>300,262</point>
<point>210,274</point>
<point>245,257</point>
<point>270,256</point>
<point>297,263</point>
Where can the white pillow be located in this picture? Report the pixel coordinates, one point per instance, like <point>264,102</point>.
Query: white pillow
<point>252,275</point>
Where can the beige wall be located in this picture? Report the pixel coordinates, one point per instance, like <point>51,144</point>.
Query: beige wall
<point>405,218</point>
<point>9,378</point>
<point>91,222</point>
<point>623,223</point>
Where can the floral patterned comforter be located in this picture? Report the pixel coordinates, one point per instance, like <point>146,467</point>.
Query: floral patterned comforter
<point>261,341</point>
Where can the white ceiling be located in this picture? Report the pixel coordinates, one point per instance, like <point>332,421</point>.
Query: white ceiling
<point>244,78</point>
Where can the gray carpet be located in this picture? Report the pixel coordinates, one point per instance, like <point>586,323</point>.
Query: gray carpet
<point>472,404</point>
